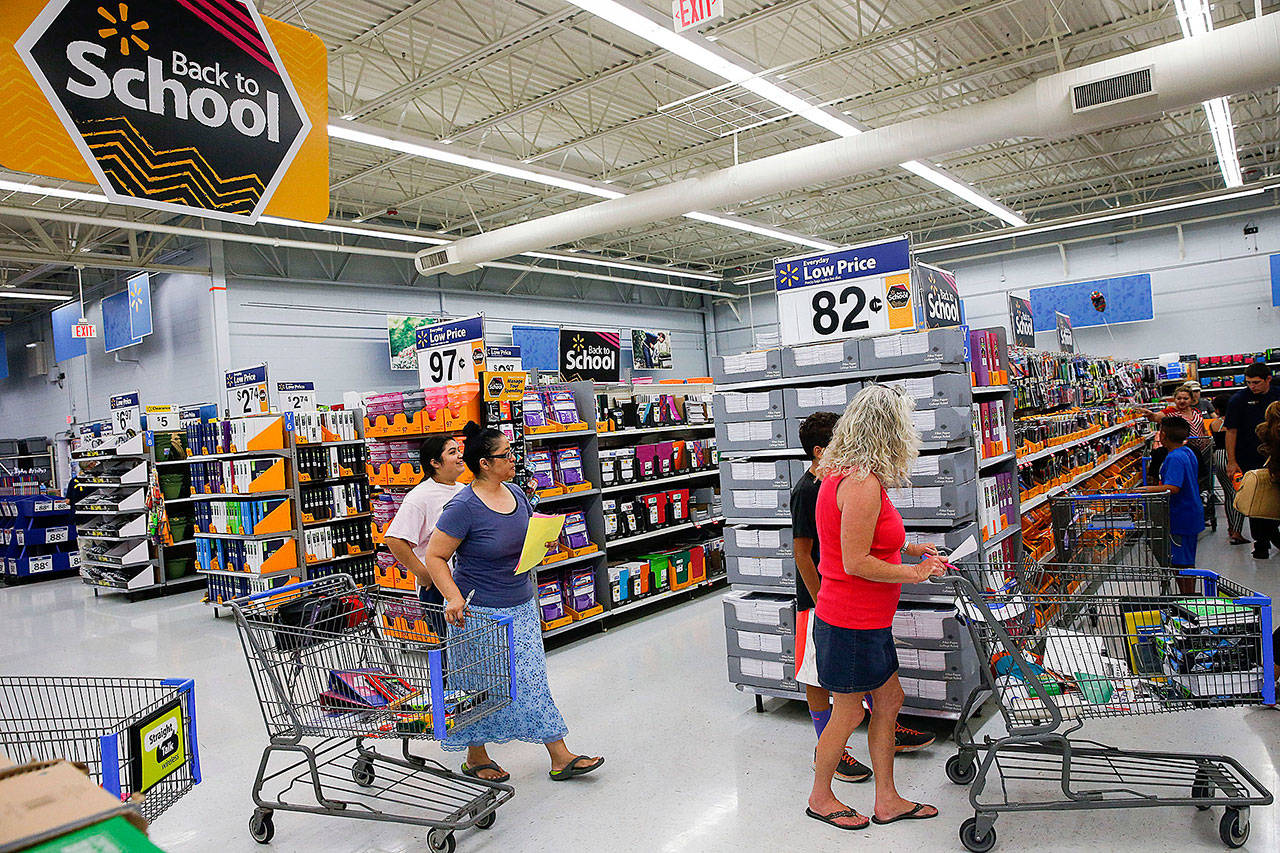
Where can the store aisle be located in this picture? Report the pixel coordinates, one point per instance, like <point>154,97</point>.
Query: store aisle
<point>691,766</point>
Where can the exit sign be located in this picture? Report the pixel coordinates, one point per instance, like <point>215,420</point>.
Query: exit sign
<point>84,330</point>
<point>686,14</point>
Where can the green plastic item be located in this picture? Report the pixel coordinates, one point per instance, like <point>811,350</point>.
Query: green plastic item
<point>114,834</point>
<point>173,485</point>
<point>1096,688</point>
<point>176,567</point>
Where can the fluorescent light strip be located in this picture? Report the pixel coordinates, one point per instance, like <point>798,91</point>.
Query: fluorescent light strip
<point>1196,19</point>
<point>956,188</point>
<point>761,230</point>
<point>1124,214</point>
<point>53,192</point>
<point>27,294</point>
<point>550,256</point>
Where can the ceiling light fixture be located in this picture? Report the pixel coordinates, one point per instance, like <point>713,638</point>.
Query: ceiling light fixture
<point>687,48</point>
<point>29,294</point>
<point>54,192</point>
<point>761,230</point>
<point>551,256</point>
<point>1196,18</point>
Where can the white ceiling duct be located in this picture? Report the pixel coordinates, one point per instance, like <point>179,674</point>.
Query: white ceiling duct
<point>1183,73</point>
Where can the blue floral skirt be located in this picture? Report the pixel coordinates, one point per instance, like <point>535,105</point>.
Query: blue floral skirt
<point>533,717</point>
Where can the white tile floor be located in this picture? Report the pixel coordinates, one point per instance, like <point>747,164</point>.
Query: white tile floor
<point>691,766</point>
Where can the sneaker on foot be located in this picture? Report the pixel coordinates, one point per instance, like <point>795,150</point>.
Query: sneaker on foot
<point>849,769</point>
<point>909,740</point>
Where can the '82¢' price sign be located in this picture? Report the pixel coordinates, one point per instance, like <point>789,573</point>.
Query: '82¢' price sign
<point>849,293</point>
<point>451,353</point>
<point>247,391</point>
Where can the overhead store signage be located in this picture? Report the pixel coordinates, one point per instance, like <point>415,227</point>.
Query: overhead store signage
<point>247,391</point>
<point>117,322</point>
<point>297,396</point>
<point>452,352</point>
<point>1066,336</point>
<point>126,414</point>
<point>503,359</point>
<point>163,418</point>
<point>939,298</point>
<point>176,105</point>
<point>687,14</point>
<point>852,293</point>
<point>402,339</point>
<point>67,342</point>
<point>587,355</point>
<point>1021,322</point>
<point>651,349</point>
<point>139,290</point>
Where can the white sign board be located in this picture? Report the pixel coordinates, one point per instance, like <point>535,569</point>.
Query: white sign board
<point>163,418</point>
<point>247,392</point>
<point>451,352</point>
<point>126,414</point>
<point>503,359</point>
<point>849,293</point>
<point>297,396</point>
<point>687,14</point>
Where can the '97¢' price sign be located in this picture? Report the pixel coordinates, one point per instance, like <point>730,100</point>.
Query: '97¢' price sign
<point>851,293</point>
<point>451,353</point>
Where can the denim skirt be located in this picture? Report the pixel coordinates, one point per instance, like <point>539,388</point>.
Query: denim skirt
<point>853,660</point>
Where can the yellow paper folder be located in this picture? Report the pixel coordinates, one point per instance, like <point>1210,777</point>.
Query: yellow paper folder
<point>542,529</point>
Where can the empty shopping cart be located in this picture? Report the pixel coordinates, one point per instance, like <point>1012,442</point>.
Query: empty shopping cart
<point>1063,643</point>
<point>339,669</point>
<point>137,736</point>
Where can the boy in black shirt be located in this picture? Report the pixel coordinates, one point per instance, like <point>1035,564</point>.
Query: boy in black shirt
<point>815,434</point>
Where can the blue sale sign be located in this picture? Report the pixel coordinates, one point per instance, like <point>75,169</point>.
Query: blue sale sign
<point>451,352</point>
<point>854,292</point>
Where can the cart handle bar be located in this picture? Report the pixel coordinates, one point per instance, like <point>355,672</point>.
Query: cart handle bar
<point>1108,496</point>
<point>293,587</point>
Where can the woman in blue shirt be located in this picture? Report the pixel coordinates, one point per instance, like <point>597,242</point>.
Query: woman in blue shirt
<point>482,529</point>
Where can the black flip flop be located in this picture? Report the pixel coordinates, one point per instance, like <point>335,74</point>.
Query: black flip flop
<point>474,772</point>
<point>830,819</point>
<point>575,768</point>
<point>914,814</point>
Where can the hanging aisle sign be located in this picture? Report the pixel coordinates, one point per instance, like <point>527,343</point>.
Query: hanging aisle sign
<point>187,106</point>
<point>296,396</point>
<point>850,293</point>
<point>1021,322</point>
<point>452,352</point>
<point>587,355</point>
<point>1066,336</point>
<point>126,414</point>
<point>247,391</point>
<point>939,298</point>
<point>503,359</point>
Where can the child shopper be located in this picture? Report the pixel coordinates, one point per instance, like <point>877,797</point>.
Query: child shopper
<point>1179,478</point>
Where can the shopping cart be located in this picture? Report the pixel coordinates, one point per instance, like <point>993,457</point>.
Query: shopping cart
<point>338,669</point>
<point>1111,529</point>
<point>1106,641</point>
<point>137,736</point>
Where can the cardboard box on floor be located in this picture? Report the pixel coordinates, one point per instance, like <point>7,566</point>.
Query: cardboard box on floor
<point>44,800</point>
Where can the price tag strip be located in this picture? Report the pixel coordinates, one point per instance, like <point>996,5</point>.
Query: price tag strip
<point>247,391</point>
<point>297,396</point>
<point>126,414</point>
<point>852,293</point>
<point>452,352</point>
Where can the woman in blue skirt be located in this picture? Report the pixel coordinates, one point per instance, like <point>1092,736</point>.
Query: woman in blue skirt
<point>482,529</point>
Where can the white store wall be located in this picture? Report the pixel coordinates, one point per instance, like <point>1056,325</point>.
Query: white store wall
<point>1212,296</point>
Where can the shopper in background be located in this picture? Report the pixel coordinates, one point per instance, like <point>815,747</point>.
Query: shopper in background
<point>410,531</point>
<point>1204,407</point>
<point>1179,478</point>
<point>1217,429</point>
<point>482,530</point>
<point>1245,412</point>
<point>1184,406</point>
<point>862,540</point>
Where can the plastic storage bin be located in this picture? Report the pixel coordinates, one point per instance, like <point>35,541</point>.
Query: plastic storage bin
<point>748,406</point>
<point>934,346</point>
<point>799,403</point>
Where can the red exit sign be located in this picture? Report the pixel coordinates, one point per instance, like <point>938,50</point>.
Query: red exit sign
<point>83,330</point>
<point>686,14</point>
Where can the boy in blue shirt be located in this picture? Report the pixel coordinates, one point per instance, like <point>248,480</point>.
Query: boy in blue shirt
<point>1180,479</point>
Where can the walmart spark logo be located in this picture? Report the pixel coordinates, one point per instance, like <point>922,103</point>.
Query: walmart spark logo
<point>121,27</point>
<point>578,342</point>
<point>136,286</point>
<point>789,275</point>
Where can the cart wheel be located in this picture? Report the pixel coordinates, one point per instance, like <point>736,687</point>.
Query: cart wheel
<point>1201,790</point>
<point>486,821</point>
<point>362,773</point>
<point>261,827</point>
<point>969,837</point>
<point>1233,829</point>
<point>440,841</point>
<point>961,768</point>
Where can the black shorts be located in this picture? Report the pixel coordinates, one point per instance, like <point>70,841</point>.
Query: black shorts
<point>853,660</point>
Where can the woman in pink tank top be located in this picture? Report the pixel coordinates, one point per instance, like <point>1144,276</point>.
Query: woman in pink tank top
<point>861,540</point>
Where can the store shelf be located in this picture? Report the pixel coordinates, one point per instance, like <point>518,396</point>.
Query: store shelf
<point>782,453</point>
<point>551,436</point>
<point>115,567</point>
<point>983,464</point>
<point>243,537</point>
<point>827,378</point>
<point>662,531</point>
<point>772,694</point>
<point>340,558</point>
<point>652,599</point>
<point>564,628</point>
<point>234,496</point>
<point>1057,490</point>
<point>983,390</point>
<point>572,561</point>
<point>1002,535</point>
<point>235,574</point>
<point>191,541</point>
<point>1058,448</point>
<point>933,713</point>
<point>139,511</point>
<point>776,521</point>
<point>675,478</point>
<point>243,454</point>
<point>345,441</point>
<point>337,519</point>
<point>630,431</point>
<point>44,455</point>
<point>567,496</point>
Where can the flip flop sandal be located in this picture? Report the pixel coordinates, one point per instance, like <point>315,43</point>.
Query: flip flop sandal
<point>914,814</point>
<point>474,772</point>
<point>575,768</point>
<point>834,816</point>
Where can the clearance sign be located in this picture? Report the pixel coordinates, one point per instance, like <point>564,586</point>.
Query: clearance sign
<point>177,105</point>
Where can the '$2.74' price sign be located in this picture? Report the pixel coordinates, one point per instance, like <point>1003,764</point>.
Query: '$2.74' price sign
<point>451,353</point>
<point>247,391</point>
<point>850,293</point>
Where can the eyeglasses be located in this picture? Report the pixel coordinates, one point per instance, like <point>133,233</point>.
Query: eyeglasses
<point>510,454</point>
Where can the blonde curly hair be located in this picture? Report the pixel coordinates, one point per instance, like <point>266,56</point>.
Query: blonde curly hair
<point>875,435</point>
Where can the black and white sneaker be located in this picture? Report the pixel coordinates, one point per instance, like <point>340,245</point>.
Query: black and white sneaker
<point>849,769</point>
<point>910,740</point>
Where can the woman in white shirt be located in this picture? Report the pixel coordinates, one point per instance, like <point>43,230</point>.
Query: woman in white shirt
<point>410,531</point>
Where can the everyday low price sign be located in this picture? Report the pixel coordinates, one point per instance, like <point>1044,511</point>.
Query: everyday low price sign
<point>852,293</point>
<point>247,391</point>
<point>297,396</point>
<point>452,352</point>
<point>126,414</point>
<point>503,359</point>
<point>588,355</point>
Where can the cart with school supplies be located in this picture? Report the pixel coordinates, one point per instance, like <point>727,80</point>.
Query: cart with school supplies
<point>137,736</point>
<point>1114,641</point>
<point>340,670</point>
<point>1111,529</point>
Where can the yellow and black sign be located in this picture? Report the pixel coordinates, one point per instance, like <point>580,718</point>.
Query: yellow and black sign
<point>178,105</point>
<point>158,747</point>
<point>504,386</point>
